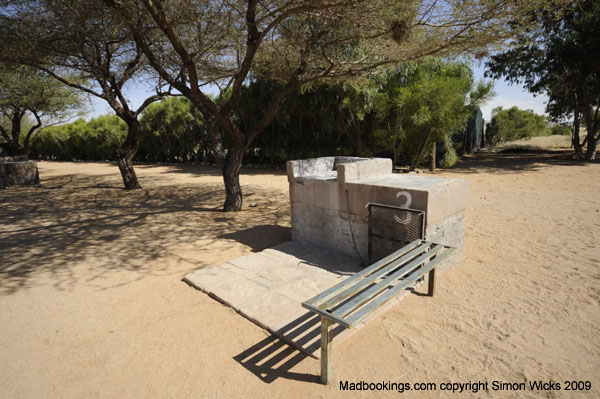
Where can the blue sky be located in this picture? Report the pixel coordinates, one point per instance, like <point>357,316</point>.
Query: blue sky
<point>506,97</point>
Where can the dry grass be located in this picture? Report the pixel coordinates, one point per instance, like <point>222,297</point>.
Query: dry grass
<point>538,143</point>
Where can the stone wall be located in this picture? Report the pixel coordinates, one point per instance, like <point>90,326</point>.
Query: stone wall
<point>18,173</point>
<point>328,206</point>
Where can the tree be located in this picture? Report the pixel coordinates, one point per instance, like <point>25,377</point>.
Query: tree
<point>515,124</point>
<point>300,42</point>
<point>558,53</point>
<point>425,104</point>
<point>96,139</point>
<point>25,92</point>
<point>172,131</point>
<point>84,46</point>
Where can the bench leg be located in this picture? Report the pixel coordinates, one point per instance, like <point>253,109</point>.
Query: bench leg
<point>431,281</point>
<point>326,338</point>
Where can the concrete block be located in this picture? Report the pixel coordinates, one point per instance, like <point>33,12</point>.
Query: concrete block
<point>329,197</point>
<point>447,199</point>
<point>20,173</point>
<point>296,192</point>
<point>297,214</point>
<point>14,158</point>
<point>306,167</point>
<point>364,169</point>
<point>321,193</point>
<point>449,231</point>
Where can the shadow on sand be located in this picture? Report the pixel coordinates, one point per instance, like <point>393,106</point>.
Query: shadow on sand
<point>273,358</point>
<point>516,160</point>
<point>260,237</point>
<point>81,228</point>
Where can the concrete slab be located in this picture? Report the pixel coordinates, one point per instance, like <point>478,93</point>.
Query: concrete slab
<point>269,287</point>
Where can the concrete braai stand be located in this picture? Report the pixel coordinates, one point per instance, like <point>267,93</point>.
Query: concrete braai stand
<point>329,198</point>
<point>331,201</point>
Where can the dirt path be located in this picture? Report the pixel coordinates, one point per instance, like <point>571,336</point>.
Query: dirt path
<point>91,302</point>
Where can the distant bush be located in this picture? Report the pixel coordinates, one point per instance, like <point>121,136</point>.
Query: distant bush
<point>172,131</point>
<point>515,124</point>
<point>95,140</point>
<point>560,130</point>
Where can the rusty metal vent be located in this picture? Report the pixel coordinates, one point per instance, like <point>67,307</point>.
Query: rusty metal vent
<point>391,228</point>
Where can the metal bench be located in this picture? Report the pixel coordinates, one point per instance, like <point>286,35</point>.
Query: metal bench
<point>355,298</point>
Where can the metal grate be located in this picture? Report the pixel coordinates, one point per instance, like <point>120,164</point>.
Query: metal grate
<point>391,228</point>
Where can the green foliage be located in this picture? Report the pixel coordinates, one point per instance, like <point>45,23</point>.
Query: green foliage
<point>424,103</point>
<point>449,155</point>
<point>558,54</point>
<point>400,116</point>
<point>172,131</point>
<point>560,130</point>
<point>97,139</point>
<point>30,99</point>
<point>321,120</point>
<point>515,124</point>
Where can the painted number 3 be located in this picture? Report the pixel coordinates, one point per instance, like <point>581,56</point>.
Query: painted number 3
<point>406,205</point>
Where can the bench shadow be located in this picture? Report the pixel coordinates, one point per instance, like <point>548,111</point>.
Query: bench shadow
<point>274,357</point>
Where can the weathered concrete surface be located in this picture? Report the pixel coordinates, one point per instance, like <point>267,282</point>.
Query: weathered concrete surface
<point>329,197</point>
<point>14,158</point>
<point>20,173</point>
<point>269,287</point>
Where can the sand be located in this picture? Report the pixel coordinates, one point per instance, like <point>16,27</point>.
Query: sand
<point>92,303</point>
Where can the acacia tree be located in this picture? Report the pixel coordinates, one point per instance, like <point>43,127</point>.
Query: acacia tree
<point>84,46</point>
<point>558,53</point>
<point>194,44</point>
<point>26,92</point>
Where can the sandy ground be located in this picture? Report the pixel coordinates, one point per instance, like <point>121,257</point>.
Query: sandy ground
<point>92,303</point>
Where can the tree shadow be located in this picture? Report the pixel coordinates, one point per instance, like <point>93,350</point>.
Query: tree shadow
<point>515,160</point>
<point>209,170</point>
<point>83,229</point>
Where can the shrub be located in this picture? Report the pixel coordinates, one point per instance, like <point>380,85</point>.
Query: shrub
<point>515,124</point>
<point>560,130</point>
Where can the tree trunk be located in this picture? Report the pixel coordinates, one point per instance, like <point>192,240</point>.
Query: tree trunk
<point>592,140</point>
<point>575,138</point>
<point>432,164</point>
<point>592,147</point>
<point>13,147</point>
<point>126,154</point>
<point>231,178</point>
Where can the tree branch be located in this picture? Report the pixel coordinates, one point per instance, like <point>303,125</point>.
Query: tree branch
<point>31,130</point>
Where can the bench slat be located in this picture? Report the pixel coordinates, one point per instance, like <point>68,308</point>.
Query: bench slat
<point>371,292</point>
<point>326,314</point>
<point>362,274</point>
<point>383,298</point>
<point>352,289</point>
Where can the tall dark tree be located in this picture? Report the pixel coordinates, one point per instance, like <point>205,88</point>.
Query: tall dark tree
<point>224,43</point>
<point>558,54</point>
<point>84,46</point>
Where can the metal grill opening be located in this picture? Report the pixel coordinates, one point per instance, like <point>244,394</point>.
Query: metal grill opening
<point>391,228</point>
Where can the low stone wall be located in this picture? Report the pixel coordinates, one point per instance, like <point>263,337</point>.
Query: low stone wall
<point>328,207</point>
<point>18,173</point>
